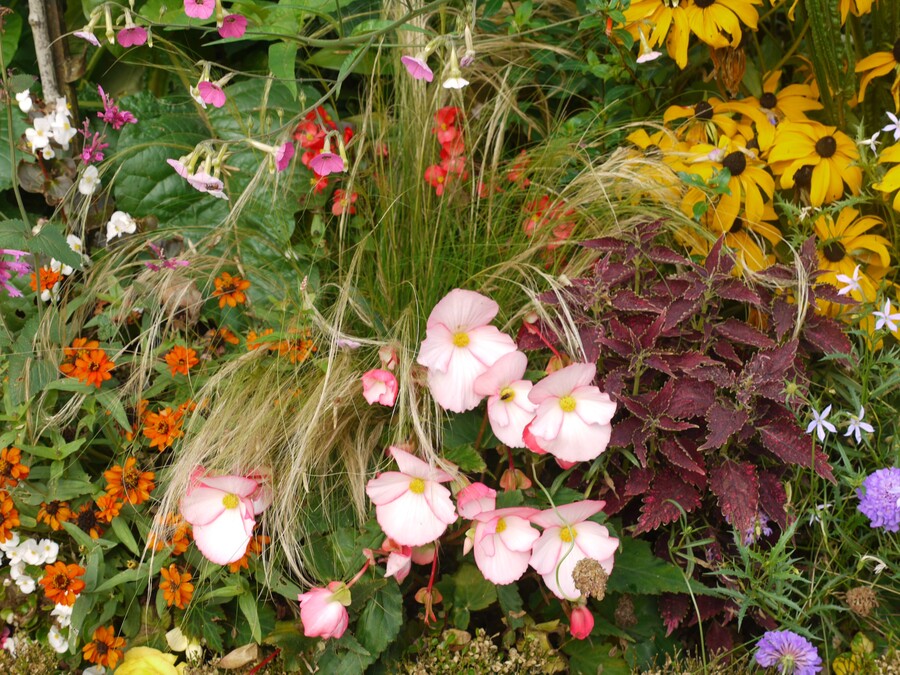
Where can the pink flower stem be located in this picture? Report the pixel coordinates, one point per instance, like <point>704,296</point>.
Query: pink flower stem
<point>434,566</point>
<point>266,660</point>
<point>512,463</point>
<point>359,574</point>
<point>480,435</point>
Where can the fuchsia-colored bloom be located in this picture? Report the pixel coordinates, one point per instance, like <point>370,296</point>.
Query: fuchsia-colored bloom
<point>323,611</point>
<point>221,511</point>
<point>111,113</point>
<point>163,261</point>
<point>567,538</point>
<point>474,499</point>
<point>326,163</point>
<point>10,267</point>
<point>132,36</point>
<point>417,67</point>
<point>199,9</point>
<point>283,156</point>
<point>233,26</point>
<point>93,146</point>
<point>573,416</point>
<point>581,623</point>
<point>460,345</point>
<point>411,505</point>
<point>211,93</point>
<point>445,124</point>
<point>380,386</point>
<point>200,181</point>
<point>509,409</point>
<point>502,543</point>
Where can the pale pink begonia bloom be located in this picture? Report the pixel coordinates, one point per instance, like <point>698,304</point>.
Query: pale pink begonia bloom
<point>380,386</point>
<point>573,417</point>
<point>417,67</point>
<point>211,93</point>
<point>199,9</point>
<point>399,562</point>
<point>475,498</point>
<point>568,537</point>
<point>323,611</point>
<point>326,163</point>
<point>221,512</point>
<point>411,505</point>
<point>503,541</point>
<point>509,409</point>
<point>459,346</point>
<point>132,36</point>
<point>233,26</point>
<point>581,623</point>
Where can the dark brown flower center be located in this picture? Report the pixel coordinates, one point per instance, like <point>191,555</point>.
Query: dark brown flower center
<point>826,146</point>
<point>736,226</point>
<point>703,4</point>
<point>896,51</point>
<point>803,176</point>
<point>835,251</point>
<point>735,162</point>
<point>4,467</point>
<point>52,508</point>
<point>61,582</point>
<point>162,428</point>
<point>101,647</point>
<point>703,111</point>
<point>131,478</point>
<point>768,100</point>
<point>87,520</point>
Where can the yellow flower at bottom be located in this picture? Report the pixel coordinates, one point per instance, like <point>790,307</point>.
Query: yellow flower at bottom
<point>148,661</point>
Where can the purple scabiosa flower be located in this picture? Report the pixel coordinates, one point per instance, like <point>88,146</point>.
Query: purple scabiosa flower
<point>790,653</point>
<point>10,267</point>
<point>879,499</point>
<point>233,26</point>
<point>111,114</point>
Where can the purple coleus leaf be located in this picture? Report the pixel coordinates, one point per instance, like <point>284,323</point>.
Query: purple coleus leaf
<point>772,497</point>
<point>738,331</point>
<point>673,608</point>
<point>736,486</point>
<point>659,507</point>
<point>683,455</point>
<point>723,423</point>
<point>826,335</point>
<point>782,437</point>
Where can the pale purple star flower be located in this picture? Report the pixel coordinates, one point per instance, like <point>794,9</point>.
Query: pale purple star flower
<point>857,426</point>
<point>885,318</point>
<point>894,126</point>
<point>851,284</point>
<point>821,424</point>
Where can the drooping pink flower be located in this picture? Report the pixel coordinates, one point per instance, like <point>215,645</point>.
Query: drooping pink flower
<point>573,417</point>
<point>417,67</point>
<point>111,113</point>
<point>132,36</point>
<point>502,543</point>
<point>581,623</point>
<point>10,267</point>
<point>326,163</point>
<point>380,386</point>
<point>411,505</point>
<point>233,26</point>
<point>211,93</point>
<point>205,182</point>
<point>567,538</point>
<point>179,167</point>
<point>424,555</point>
<point>509,409</point>
<point>87,35</point>
<point>199,9</point>
<point>474,499</point>
<point>323,611</point>
<point>283,156</point>
<point>221,511</point>
<point>93,146</point>
<point>399,562</point>
<point>459,346</point>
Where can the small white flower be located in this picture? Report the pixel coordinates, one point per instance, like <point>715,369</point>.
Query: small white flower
<point>62,108</point>
<point>25,584</point>
<point>16,570</point>
<point>850,283</point>
<point>856,426</point>
<point>872,142</point>
<point>10,645</point>
<point>39,135</point>
<point>63,132</point>
<point>31,552</point>
<point>880,565</point>
<point>176,640</point>
<point>814,517</point>
<point>11,543</point>
<point>194,652</point>
<point>57,266</point>
<point>455,83</point>
<point>885,318</point>
<point>15,556</point>
<point>57,640</point>
<point>47,152</point>
<point>820,424</point>
<point>50,549</point>
<point>94,670</point>
<point>195,94</point>
<point>120,223</point>
<point>24,100</point>
<point>90,180</point>
<point>894,126</point>
<point>62,614</point>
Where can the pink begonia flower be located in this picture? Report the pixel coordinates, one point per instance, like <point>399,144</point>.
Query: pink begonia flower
<point>326,163</point>
<point>132,36</point>
<point>503,541</point>
<point>233,26</point>
<point>388,356</point>
<point>411,505</point>
<point>380,386</point>
<point>509,409</point>
<point>423,555</point>
<point>283,156</point>
<point>573,416</point>
<point>581,623</point>
<point>87,35</point>
<point>221,511</point>
<point>399,562</point>
<point>417,67</point>
<point>567,538</point>
<point>211,93</point>
<point>459,346</point>
<point>199,9</point>
<point>474,499</point>
<point>323,611</point>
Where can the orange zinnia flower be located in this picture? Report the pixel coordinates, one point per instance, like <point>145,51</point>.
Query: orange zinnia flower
<point>89,521</point>
<point>109,506</point>
<point>180,535</point>
<point>163,428</point>
<point>104,649</point>
<point>61,583</point>
<point>93,368</point>
<point>298,348</point>
<point>255,547</point>
<point>129,483</point>
<point>11,468</point>
<point>177,587</point>
<point>48,279</point>
<point>9,514</point>
<point>80,348</point>
<point>253,342</point>
<point>181,360</point>
<point>230,289</point>
<point>54,514</point>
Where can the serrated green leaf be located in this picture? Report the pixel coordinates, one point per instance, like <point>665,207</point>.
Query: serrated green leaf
<point>588,657</point>
<point>466,458</point>
<point>381,619</point>
<point>511,603</point>
<point>638,571</point>
<point>472,590</point>
<point>345,656</point>
<point>51,242</point>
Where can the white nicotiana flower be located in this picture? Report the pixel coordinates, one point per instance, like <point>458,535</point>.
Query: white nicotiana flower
<point>25,584</point>
<point>23,98</point>
<point>821,424</point>
<point>31,552</point>
<point>194,652</point>
<point>50,550</point>
<point>857,426</point>
<point>57,640</point>
<point>90,181</point>
<point>885,318</point>
<point>39,135</point>
<point>120,223</point>
<point>850,283</point>
<point>62,614</point>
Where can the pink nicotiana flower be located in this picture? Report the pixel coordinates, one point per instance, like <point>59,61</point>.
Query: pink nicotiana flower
<point>200,181</point>
<point>211,93</point>
<point>502,543</point>
<point>283,156</point>
<point>459,346</point>
<point>567,538</point>
<point>10,267</point>
<point>323,611</point>
<point>474,499</point>
<point>179,167</point>
<point>380,386</point>
<point>573,417</point>
<point>87,35</point>
<point>411,505</point>
<point>581,623</point>
<point>509,409</point>
<point>417,67</point>
<point>199,9</point>
<point>132,36</point>
<point>326,163</point>
<point>222,514</point>
<point>233,26</point>
<point>111,113</point>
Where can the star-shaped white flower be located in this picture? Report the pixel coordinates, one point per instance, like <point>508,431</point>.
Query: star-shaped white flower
<point>857,426</point>
<point>872,142</point>
<point>885,318</point>
<point>820,423</point>
<point>894,126</point>
<point>850,283</point>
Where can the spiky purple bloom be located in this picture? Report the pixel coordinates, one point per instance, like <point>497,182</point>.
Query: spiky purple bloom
<point>790,653</point>
<point>10,267</point>
<point>879,499</point>
<point>93,146</point>
<point>111,113</point>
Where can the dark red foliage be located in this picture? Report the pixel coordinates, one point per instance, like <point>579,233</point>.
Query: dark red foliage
<point>737,487</point>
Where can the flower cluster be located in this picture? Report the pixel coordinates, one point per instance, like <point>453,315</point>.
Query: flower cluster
<point>24,554</point>
<point>449,134</point>
<point>53,128</point>
<point>879,499</point>
<point>417,65</point>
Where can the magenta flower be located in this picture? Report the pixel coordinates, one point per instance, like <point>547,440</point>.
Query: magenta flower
<point>581,623</point>
<point>233,26</point>
<point>87,35</point>
<point>171,264</point>
<point>474,499</point>
<point>411,505</point>
<point>111,113</point>
<point>417,67</point>
<point>326,163</point>
<point>211,93</point>
<point>380,386</point>
<point>93,146</point>
<point>10,267</point>
<point>132,36</point>
<point>284,155</point>
<point>199,9</point>
<point>502,543</point>
<point>323,611</point>
<point>509,409</point>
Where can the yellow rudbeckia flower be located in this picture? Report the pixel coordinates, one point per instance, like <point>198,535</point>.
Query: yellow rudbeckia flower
<point>718,22</point>
<point>890,182</point>
<point>668,23</point>
<point>878,65</point>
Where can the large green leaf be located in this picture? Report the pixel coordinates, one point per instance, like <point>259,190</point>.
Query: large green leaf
<point>12,31</point>
<point>588,657</point>
<point>381,619</point>
<point>282,61</point>
<point>637,570</point>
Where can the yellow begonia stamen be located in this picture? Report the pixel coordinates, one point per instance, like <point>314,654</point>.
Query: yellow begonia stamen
<point>230,501</point>
<point>567,403</point>
<point>507,394</point>
<point>417,486</point>
<point>461,339</point>
<point>568,534</point>
<point>501,525</point>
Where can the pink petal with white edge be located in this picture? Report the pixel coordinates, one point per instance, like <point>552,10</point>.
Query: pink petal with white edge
<point>409,520</point>
<point>203,505</point>
<point>488,344</point>
<point>437,349</point>
<point>546,551</point>
<point>474,499</point>
<point>559,579</point>
<point>563,382</point>
<point>502,566</point>
<point>577,441</point>
<point>531,442</point>
<point>569,514</point>
<point>225,539</point>
<point>462,310</point>
<point>397,566</point>
<point>440,501</point>
<point>509,418</point>
<point>387,487</point>
<point>507,369</point>
<point>239,485</point>
<point>593,406</point>
<point>453,389</point>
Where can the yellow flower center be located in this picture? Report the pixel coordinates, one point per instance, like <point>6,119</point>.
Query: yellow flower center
<point>501,525</point>
<point>461,339</point>
<point>568,534</point>
<point>230,501</point>
<point>567,403</point>
<point>507,394</point>
<point>417,486</point>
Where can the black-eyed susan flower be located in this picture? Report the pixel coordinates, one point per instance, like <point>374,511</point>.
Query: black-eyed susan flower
<point>704,122</point>
<point>718,22</point>
<point>856,7</point>
<point>878,65</point>
<point>890,182</point>
<point>666,22</point>
<point>830,155</point>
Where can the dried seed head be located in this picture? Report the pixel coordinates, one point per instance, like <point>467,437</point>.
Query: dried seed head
<point>590,578</point>
<point>625,617</point>
<point>862,600</point>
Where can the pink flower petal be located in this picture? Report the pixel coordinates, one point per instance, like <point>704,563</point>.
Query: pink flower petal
<point>475,498</point>
<point>239,485</point>
<point>225,539</point>
<point>594,541</point>
<point>461,310</point>
<point>387,487</point>
<point>593,406</point>
<point>546,551</point>
<point>569,514</point>
<point>577,441</point>
<point>519,535</point>
<point>199,9</point>
<point>202,505</point>
<point>563,382</point>
<point>453,389</point>
<point>502,566</point>
<point>233,26</point>
<point>417,68</point>
<point>439,500</point>
<point>211,93</point>
<point>417,468</point>
<point>507,369</point>
<point>409,520</point>
<point>488,344</point>
<point>548,420</point>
